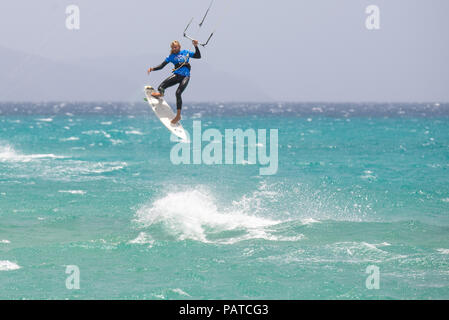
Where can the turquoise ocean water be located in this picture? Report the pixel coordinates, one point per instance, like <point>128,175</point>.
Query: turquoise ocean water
<point>92,185</point>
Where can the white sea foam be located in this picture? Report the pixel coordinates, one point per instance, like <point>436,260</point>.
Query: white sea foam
<point>368,175</point>
<point>6,265</point>
<point>382,244</point>
<point>362,251</point>
<point>115,142</point>
<point>181,292</point>
<point>142,238</point>
<point>194,215</point>
<point>137,132</point>
<point>42,166</point>
<point>8,154</point>
<point>107,167</point>
<point>82,192</point>
<point>443,251</point>
<point>348,252</point>
<point>307,221</point>
<point>77,170</point>
<point>45,119</point>
<point>70,139</point>
<point>93,132</point>
<point>5,241</point>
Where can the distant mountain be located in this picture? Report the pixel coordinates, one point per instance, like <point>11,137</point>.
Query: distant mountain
<point>25,77</point>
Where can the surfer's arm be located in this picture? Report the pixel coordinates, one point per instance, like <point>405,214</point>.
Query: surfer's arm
<point>159,67</point>
<point>197,54</point>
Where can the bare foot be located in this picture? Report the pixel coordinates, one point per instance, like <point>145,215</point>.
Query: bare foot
<point>176,119</point>
<point>156,94</point>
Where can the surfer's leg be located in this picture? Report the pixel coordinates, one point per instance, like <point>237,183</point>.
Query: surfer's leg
<point>169,82</point>
<point>181,88</point>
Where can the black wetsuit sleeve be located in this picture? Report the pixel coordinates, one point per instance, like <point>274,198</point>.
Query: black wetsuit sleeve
<point>197,54</point>
<point>159,67</point>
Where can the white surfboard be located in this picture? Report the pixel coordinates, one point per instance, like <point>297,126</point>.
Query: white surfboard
<point>165,113</point>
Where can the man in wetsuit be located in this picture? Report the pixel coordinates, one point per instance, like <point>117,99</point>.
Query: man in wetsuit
<point>181,73</point>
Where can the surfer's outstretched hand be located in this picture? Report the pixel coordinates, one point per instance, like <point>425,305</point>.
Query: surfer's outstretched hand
<point>149,70</point>
<point>195,42</point>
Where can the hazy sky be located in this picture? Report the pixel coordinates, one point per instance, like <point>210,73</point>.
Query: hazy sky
<point>295,50</point>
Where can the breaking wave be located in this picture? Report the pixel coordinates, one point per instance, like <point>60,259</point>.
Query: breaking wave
<point>195,215</point>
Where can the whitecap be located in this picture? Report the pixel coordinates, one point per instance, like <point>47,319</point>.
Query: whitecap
<point>82,192</point>
<point>362,251</point>
<point>76,169</point>
<point>368,175</point>
<point>181,292</point>
<point>70,139</point>
<point>115,142</point>
<point>136,132</point>
<point>194,215</point>
<point>142,238</point>
<point>92,132</point>
<point>8,154</point>
<point>308,221</point>
<point>68,170</point>
<point>6,265</point>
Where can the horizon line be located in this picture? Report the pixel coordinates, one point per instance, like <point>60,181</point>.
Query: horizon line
<point>435,102</point>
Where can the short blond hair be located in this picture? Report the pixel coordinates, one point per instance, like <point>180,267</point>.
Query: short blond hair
<point>175,42</point>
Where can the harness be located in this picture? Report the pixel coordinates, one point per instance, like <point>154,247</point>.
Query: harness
<point>182,64</point>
